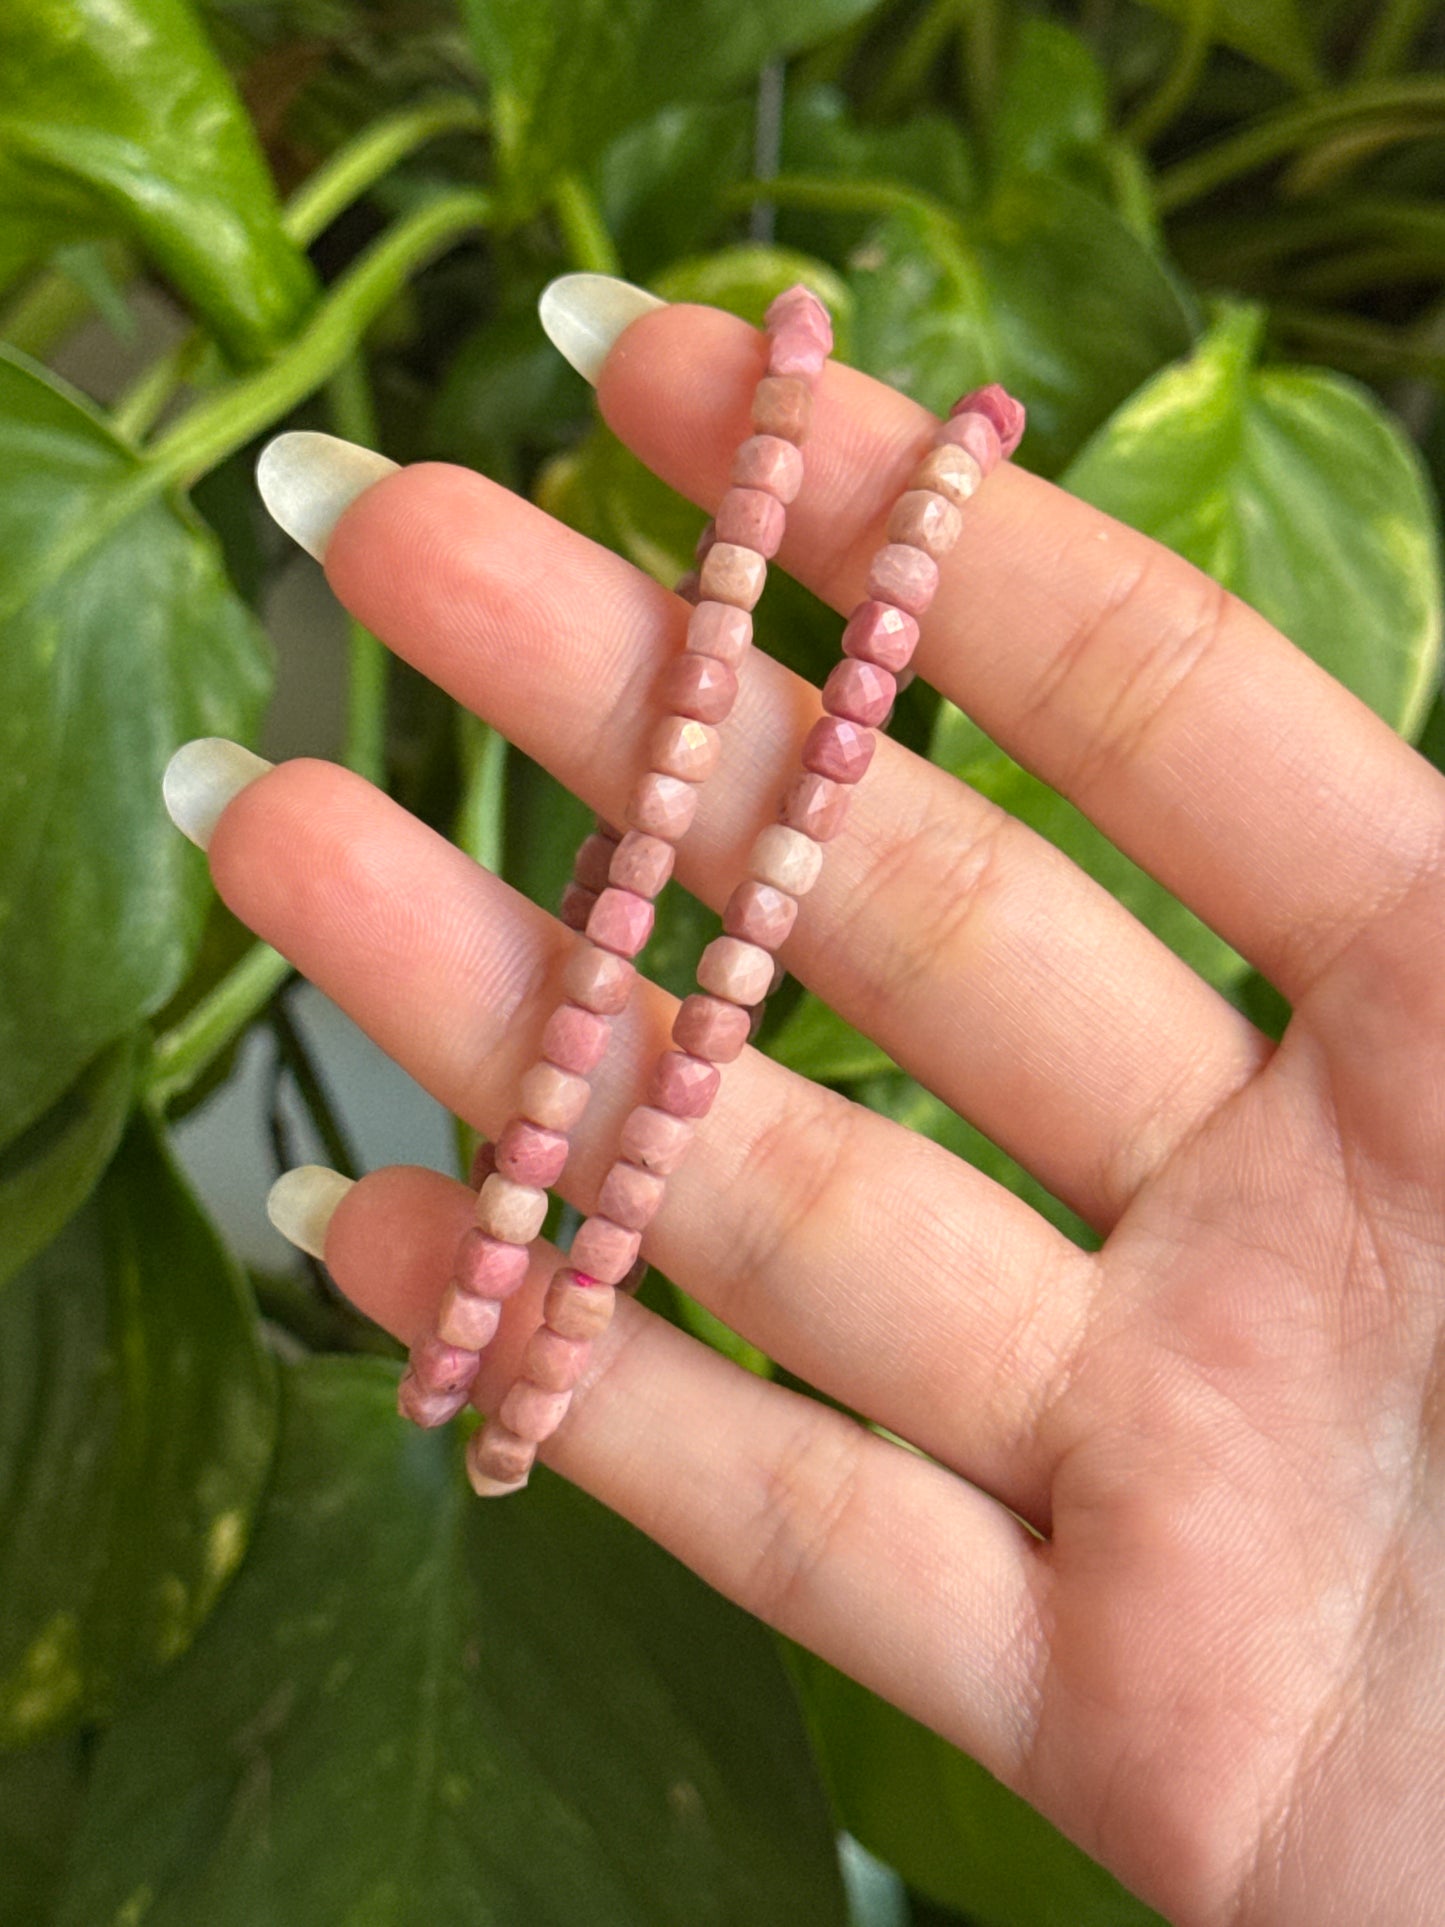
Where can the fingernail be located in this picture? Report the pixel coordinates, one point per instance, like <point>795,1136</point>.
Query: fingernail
<point>584,314</point>
<point>302,1203</point>
<point>307,480</point>
<point>200,780</point>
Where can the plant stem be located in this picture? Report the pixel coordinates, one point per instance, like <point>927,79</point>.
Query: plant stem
<point>767,147</point>
<point>1364,347</point>
<point>478,827</point>
<point>183,1054</point>
<point>353,415</point>
<point>297,1060</point>
<point>979,56</point>
<point>342,179</point>
<point>589,245</point>
<point>1195,40</point>
<point>1388,43</point>
<point>922,44</point>
<point>840,196</point>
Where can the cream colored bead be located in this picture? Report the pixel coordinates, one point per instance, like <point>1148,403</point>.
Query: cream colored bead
<point>553,1097</point>
<point>511,1212</point>
<point>926,520</point>
<point>950,471</point>
<point>737,971</point>
<point>785,858</point>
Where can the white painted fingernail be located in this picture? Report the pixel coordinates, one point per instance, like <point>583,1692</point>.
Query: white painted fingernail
<point>302,1203</point>
<point>200,780</point>
<point>584,314</point>
<point>307,479</point>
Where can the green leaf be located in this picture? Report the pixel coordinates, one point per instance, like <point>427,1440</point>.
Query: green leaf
<point>1295,489</point>
<point>1053,109</point>
<point>744,280</point>
<point>568,77</point>
<point>136,1421</point>
<point>1273,32</point>
<point>121,638</point>
<point>949,1827</point>
<point>47,1172</point>
<point>120,119</point>
<point>41,1791</point>
<point>659,183</point>
<point>816,1042</point>
<point>412,1707</point>
<point>1042,288</point>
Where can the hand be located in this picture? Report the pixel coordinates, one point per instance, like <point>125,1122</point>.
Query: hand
<point>1220,1670</point>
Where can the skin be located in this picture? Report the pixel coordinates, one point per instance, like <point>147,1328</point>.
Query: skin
<point>1220,1668</point>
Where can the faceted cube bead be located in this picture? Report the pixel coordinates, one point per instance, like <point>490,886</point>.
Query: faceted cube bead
<point>759,913</point>
<point>553,1097</point>
<point>512,1212</point>
<point>927,520</point>
<point>1008,416</point>
<point>439,1366</point>
<point>428,1409</point>
<point>682,1084</point>
<point>859,691</point>
<point>753,519</point>
<point>767,461</point>
<point>554,1362</point>
<point>815,805</point>
<point>737,971</point>
<point>733,574</point>
<point>707,1026</point>
<point>532,1412</point>
<point>488,1267</point>
<point>882,633</point>
<point>718,629</point>
<point>497,1460</point>
<point>783,405</point>
<point>484,1162</point>
<point>663,805</point>
<point>836,748</point>
<point>795,351</point>
<point>798,306</point>
<point>468,1321</point>
<point>655,1139</point>
<point>977,434</point>
<point>603,1250</point>
<point>577,1306</point>
<point>644,863</point>
<point>903,575</point>
<point>682,746</point>
<point>575,1039</point>
<point>598,980</point>
<point>703,687</point>
<point>594,856</point>
<point>529,1154</point>
<point>621,921</point>
<point>786,858</point>
<point>630,1196</point>
<point>948,470</point>
<point>576,905</point>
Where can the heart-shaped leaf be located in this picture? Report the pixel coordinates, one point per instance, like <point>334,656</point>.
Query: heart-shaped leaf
<point>412,1707</point>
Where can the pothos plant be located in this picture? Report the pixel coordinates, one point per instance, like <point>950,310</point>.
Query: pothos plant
<point>260,1657</point>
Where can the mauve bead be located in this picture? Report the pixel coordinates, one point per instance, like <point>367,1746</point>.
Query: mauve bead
<point>630,1196</point>
<point>688,586</point>
<point>767,461</point>
<point>796,350</point>
<point>950,471</point>
<point>531,1412</point>
<point>836,748</point>
<point>425,1408</point>
<point>577,1307</point>
<point>879,632</point>
<point>484,1162</point>
<point>621,921</point>
<point>529,1154</point>
<point>704,541</point>
<point>703,687</point>
<point>709,1027</point>
<point>904,575</point>
<point>737,971</point>
<point>576,905</point>
<point>593,858</point>
<point>682,746</point>
<point>497,1460</point>
<point>440,1366</point>
<point>597,980</point>
<point>798,306</point>
<point>785,858</point>
<point>977,434</point>
<point>643,863</point>
<point>510,1211</point>
<point>760,913</point>
<point>683,1084</point>
<point>860,692</point>
<point>554,1097</point>
<point>718,629</point>
<point>753,518</point>
<point>663,805</point>
<point>466,1320</point>
<point>1008,416</point>
<point>488,1267</point>
<point>575,1039</point>
<point>734,574</point>
<point>636,1272</point>
<point>927,520</point>
<point>603,1250</point>
<point>655,1139</point>
<point>816,806</point>
<point>554,1362</point>
<point>783,405</point>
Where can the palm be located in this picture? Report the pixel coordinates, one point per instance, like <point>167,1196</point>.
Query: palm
<point>1218,1670</point>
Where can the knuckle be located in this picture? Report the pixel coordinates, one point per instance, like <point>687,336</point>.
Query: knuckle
<point>808,1492</point>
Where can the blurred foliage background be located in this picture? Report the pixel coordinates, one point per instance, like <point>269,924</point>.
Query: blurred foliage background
<point>260,1656</point>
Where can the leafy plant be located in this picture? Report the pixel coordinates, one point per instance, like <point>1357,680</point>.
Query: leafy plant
<point>250,1629</point>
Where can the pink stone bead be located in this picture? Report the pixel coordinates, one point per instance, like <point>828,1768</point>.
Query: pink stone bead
<point>682,746</point>
<point>663,805</point>
<point>767,461</point>
<point>718,629</point>
<point>484,1162</point>
<point>594,855</point>
<point>733,574</point>
<point>977,434</point>
<point>752,518</point>
<point>554,1362</point>
<point>428,1409</point>
<point>575,1039</point>
<point>553,1097</point>
<point>683,1084</point>
<point>488,1267</point>
<point>468,1321</point>
<point>950,471</point>
<point>621,921</point>
<point>903,575</point>
<point>836,748</point>
<point>598,980</point>
<point>994,401</point>
<point>510,1211</point>
<point>655,1139</point>
<point>497,1460</point>
<point>815,805</point>
<point>576,905</point>
<point>859,691</point>
<point>603,1250</point>
<point>794,351</point>
<point>798,306</point>
<point>879,632</point>
<point>703,687</point>
<point>737,971</point>
<point>577,1306</point>
<point>927,520</point>
<point>786,858</point>
<point>532,1412</point>
<point>783,405</point>
<point>688,586</point>
<point>759,913</point>
<point>439,1366</point>
<point>528,1154</point>
<point>643,863</point>
<point>707,1026</point>
<point>630,1196</point>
